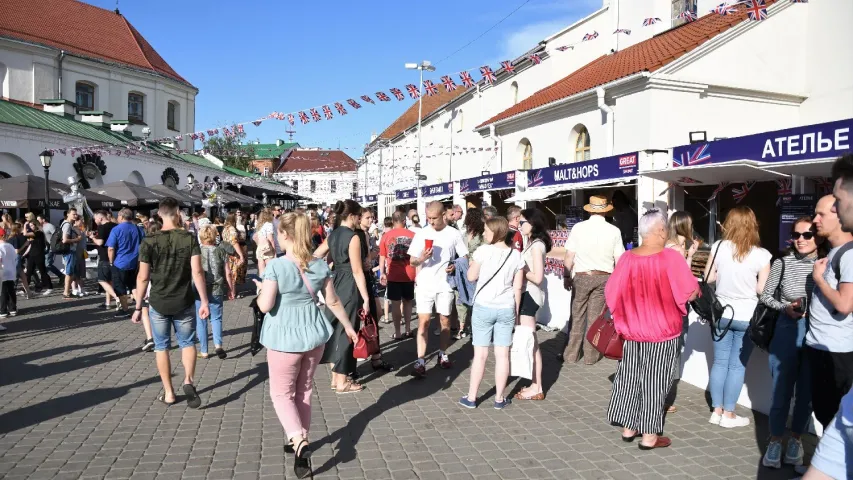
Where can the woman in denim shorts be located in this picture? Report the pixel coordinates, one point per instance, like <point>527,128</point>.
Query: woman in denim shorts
<point>499,273</point>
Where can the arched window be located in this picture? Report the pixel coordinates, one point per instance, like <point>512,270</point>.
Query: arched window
<point>173,116</point>
<point>136,107</point>
<point>582,151</point>
<point>84,96</point>
<point>525,150</point>
<point>513,88</point>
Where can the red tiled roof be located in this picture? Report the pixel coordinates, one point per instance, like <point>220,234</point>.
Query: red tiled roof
<point>82,30</point>
<point>409,118</point>
<point>646,56</point>
<point>318,161</point>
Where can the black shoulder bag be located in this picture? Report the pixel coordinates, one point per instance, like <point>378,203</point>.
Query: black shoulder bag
<point>763,321</point>
<point>708,308</point>
<point>258,324</point>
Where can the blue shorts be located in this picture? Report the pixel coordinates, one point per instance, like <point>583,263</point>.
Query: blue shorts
<point>161,328</point>
<point>492,323</point>
<point>70,260</point>
<point>834,453</point>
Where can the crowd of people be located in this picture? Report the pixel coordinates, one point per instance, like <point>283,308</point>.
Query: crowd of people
<point>323,274</point>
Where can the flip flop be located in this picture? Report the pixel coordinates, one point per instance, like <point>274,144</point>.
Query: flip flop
<point>193,400</point>
<point>162,399</point>
<point>349,388</point>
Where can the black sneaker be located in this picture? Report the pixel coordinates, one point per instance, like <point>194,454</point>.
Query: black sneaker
<point>419,371</point>
<point>148,346</point>
<point>122,314</point>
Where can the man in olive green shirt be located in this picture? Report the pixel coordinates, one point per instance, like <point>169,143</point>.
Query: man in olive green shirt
<point>171,261</point>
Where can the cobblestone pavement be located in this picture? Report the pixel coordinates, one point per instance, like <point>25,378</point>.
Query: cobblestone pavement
<point>77,400</point>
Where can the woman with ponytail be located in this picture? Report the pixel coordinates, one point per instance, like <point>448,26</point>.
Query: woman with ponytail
<point>296,329</point>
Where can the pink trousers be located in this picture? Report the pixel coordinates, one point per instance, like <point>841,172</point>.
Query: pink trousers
<point>291,381</point>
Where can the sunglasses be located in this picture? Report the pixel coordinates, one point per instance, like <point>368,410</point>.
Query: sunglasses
<point>805,235</point>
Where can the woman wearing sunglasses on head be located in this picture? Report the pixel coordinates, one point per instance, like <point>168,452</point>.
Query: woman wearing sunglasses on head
<point>787,371</point>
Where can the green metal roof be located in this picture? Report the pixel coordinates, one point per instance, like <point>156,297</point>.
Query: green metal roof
<point>195,159</point>
<point>270,150</point>
<point>15,114</point>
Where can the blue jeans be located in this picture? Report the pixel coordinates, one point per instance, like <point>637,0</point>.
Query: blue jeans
<point>788,368</point>
<point>48,263</point>
<point>215,306</point>
<point>731,354</point>
<point>161,328</point>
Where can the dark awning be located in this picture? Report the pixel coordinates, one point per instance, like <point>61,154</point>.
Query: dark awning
<point>130,194</point>
<point>27,191</point>
<point>180,195</point>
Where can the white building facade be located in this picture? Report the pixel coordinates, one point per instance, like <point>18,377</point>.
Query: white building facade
<point>324,176</point>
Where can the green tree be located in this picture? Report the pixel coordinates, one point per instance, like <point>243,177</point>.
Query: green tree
<point>231,150</point>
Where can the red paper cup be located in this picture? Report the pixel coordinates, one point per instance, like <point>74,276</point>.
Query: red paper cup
<point>428,244</point>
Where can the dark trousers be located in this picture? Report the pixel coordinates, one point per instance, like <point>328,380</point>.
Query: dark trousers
<point>832,377</point>
<point>8,300</point>
<point>37,262</point>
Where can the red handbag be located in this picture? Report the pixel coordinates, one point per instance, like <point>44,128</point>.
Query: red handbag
<point>368,337</point>
<point>603,336</point>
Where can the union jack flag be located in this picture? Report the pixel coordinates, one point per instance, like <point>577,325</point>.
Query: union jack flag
<point>687,16</point>
<point>201,136</point>
<point>210,132</point>
<point>466,79</point>
<point>239,128</point>
<point>626,31</point>
<point>650,21</point>
<point>824,184</point>
<point>315,115</point>
<point>216,131</point>
<point>327,112</point>
<point>303,117</point>
<point>383,97</point>
<point>740,193</point>
<point>725,9</point>
<point>757,10</point>
<point>508,68</point>
<point>799,1</point>
<point>590,36</point>
<point>290,118</point>
<point>368,99</point>
<point>564,48</point>
<point>354,104</point>
<point>340,108</point>
<point>449,84</point>
<point>535,58</point>
<point>194,136</point>
<point>687,180</point>
<point>700,155</point>
<point>257,123</point>
<point>722,186</point>
<point>179,137</point>
<point>430,88</point>
<point>537,180</point>
<point>783,187</point>
<point>488,74</point>
<point>397,93</point>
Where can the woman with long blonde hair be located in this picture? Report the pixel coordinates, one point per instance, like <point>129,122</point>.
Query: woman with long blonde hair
<point>264,240</point>
<point>296,329</point>
<point>740,268</point>
<point>236,263</point>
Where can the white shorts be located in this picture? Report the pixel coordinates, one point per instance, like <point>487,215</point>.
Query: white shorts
<point>425,301</point>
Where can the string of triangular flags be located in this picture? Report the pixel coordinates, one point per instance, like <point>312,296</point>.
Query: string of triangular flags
<point>756,11</point>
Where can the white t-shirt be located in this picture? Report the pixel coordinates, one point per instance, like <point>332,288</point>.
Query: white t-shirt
<point>8,257</point>
<point>537,248</point>
<point>737,280</point>
<point>447,245</point>
<point>498,293</point>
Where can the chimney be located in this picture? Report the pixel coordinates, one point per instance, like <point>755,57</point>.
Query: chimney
<point>98,119</point>
<point>373,137</point>
<point>60,106</point>
<point>119,126</point>
<point>279,142</point>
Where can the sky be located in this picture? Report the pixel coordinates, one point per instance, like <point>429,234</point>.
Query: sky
<point>254,57</point>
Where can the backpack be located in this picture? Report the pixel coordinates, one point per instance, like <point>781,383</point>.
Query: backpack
<point>835,264</point>
<point>56,244</point>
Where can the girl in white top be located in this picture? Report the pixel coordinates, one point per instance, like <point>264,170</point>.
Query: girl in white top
<point>534,228</point>
<point>266,246</point>
<point>499,273</point>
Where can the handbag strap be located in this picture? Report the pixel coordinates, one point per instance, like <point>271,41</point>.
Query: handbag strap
<point>493,276</point>
<point>713,260</point>
<point>777,294</point>
<point>304,281</point>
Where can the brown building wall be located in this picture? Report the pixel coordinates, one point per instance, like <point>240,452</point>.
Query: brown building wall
<point>259,164</point>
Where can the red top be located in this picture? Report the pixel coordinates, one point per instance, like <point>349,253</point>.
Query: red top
<point>647,295</point>
<point>517,239</point>
<point>394,246</point>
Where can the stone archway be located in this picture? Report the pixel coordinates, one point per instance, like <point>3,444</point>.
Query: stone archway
<point>13,165</point>
<point>136,177</point>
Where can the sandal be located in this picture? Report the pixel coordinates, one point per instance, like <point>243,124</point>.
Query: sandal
<point>221,353</point>
<point>631,438</point>
<point>671,409</point>
<point>401,336</point>
<point>202,355</point>
<point>523,396</point>
<point>349,387</point>
<point>661,442</point>
<point>302,460</point>
<point>193,400</point>
<point>381,364</point>
<point>162,399</point>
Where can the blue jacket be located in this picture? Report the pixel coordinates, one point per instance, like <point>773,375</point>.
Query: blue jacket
<point>459,282</point>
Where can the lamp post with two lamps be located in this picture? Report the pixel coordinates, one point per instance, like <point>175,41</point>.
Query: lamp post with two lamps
<point>46,158</point>
<point>424,65</point>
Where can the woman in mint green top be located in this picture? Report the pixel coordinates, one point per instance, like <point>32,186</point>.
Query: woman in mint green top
<point>296,329</point>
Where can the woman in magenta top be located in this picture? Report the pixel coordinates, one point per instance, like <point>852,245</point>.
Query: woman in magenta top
<point>647,296</point>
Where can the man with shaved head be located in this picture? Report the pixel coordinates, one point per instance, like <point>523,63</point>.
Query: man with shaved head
<point>433,249</point>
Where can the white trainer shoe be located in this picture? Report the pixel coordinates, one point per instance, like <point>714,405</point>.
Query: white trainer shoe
<point>715,419</point>
<point>736,422</point>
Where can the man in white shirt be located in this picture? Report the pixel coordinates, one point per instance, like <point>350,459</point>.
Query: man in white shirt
<point>434,249</point>
<point>592,250</point>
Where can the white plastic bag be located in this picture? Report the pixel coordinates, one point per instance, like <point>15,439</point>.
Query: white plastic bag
<point>521,354</point>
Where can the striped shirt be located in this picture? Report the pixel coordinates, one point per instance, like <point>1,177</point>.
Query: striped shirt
<point>797,281</point>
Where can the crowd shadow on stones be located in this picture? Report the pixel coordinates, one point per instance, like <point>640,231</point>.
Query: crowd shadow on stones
<point>20,368</point>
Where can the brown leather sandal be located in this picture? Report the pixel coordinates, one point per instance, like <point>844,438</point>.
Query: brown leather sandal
<point>349,387</point>
<point>538,396</point>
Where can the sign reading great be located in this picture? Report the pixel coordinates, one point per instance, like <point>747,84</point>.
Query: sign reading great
<point>437,189</point>
<point>811,142</point>
<point>613,168</point>
<point>497,181</point>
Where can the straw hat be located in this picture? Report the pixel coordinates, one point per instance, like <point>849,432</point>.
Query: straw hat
<point>598,204</point>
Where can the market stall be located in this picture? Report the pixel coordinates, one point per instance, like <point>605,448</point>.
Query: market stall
<point>27,192</point>
<point>440,192</point>
<point>486,189</point>
<point>182,196</point>
<point>405,200</point>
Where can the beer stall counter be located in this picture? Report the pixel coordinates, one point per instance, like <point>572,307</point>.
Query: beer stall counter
<point>561,191</point>
<point>780,175</point>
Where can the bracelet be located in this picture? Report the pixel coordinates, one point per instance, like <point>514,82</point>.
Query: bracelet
<point>137,309</point>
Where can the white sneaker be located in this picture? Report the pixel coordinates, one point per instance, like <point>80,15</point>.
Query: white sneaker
<point>738,421</point>
<point>715,419</point>
<point>47,292</point>
<point>2,328</point>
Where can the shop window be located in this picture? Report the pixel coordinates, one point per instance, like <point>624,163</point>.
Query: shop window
<point>313,186</point>
<point>514,92</point>
<point>333,186</point>
<point>173,110</point>
<point>85,96</point>
<point>525,149</point>
<point>136,107</point>
<point>582,151</point>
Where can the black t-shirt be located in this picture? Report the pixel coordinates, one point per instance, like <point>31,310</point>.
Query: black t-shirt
<point>103,234</point>
<point>38,244</point>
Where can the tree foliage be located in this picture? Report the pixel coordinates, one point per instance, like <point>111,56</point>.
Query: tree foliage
<point>231,150</point>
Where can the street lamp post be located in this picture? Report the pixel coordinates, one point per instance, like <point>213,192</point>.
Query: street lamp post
<point>425,65</point>
<point>46,158</point>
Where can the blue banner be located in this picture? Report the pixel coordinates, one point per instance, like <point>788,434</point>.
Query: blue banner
<point>439,189</point>
<point>812,142</point>
<point>497,181</point>
<point>607,168</point>
<point>409,194</point>
<point>367,199</point>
